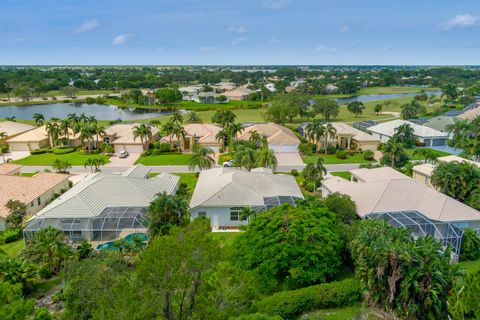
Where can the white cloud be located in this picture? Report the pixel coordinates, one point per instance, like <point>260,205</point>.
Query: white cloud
<point>274,41</point>
<point>327,49</point>
<point>275,5</point>
<point>388,48</point>
<point>345,28</point>
<point>88,25</point>
<point>18,40</point>
<point>123,38</point>
<point>239,30</point>
<point>461,21</point>
<point>238,40</point>
<point>207,48</point>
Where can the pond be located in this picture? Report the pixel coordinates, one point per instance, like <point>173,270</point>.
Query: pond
<point>61,110</point>
<point>376,97</point>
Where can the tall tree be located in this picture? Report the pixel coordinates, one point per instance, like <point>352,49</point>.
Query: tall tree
<point>201,158</point>
<point>266,157</point>
<point>245,157</point>
<point>39,119</point>
<point>223,117</point>
<point>315,172</point>
<point>165,212</point>
<point>394,154</point>
<point>356,107</point>
<point>457,180</point>
<point>144,132</point>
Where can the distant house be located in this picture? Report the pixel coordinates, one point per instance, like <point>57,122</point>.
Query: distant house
<point>423,172</point>
<point>279,138</point>
<point>38,138</point>
<point>209,98</point>
<point>12,128</point>
<point>120,136</point>
<point>238,94</point>
<point>441,123</point>
<point>35,192</point>
<point>104,207</point>
<point>222,193</point>
<point>271,87</point>
<point>424,135</point>
<point>331,88</point>
<point>197,133</point>
<point>346,137</point>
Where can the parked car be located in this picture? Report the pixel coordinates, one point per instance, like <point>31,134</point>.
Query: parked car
<point>228,163</point>
<point>123,154</point>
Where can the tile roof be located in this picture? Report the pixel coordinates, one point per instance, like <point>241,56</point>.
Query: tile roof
<point>378,174</point>
<point>26,189</point>
<point>273,132</point>
<point>124,133</point>
<point>38,134</point>
<point>220,187</point>
<point>204,131</point>
<point>12,128</point>
<point>8,168</point>
<point>388,129</point>
<point>358,135</point>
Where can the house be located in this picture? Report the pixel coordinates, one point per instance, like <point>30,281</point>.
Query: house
<point>12,128</point>
<point>425,136</point>
<point>197,133</point>
<point>222,193</point>
<point>471,113</point>
<point>208,98</point>
<point>10,169</point>
<point>331,88</point>
<point>271,87</point>
<point>35,192</point>
<point>423,172</point>
<point>238,94</point>
<point>279,138</point>
<point>38,138</point>
<point>346,137</point>
<point>381,190</point>
<point>104,207</point>
<point>441,123</point>
<point>120,136</point>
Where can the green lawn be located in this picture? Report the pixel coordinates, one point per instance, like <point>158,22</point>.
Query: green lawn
<point>28,174</point>
<point>342,174</point>
<point>346,313</point>
<point>12,249</point>
<point>225,238</point>
<point>173,159</point>
<point>221,158</point>
<point>332,159</point>
<point>46,159</point>
<point>420,157</point>
<point>470,266</point>
<point>42,287</point>
<point>391,90</point>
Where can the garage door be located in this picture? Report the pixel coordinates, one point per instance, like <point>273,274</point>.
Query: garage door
<point>284,148</point>
<point>131,148</point>
<point>439,142</point>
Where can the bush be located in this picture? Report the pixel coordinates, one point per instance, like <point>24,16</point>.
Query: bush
<point>162,147</point>
<point>341,154</point>
<point>368,155</point>
<point>107,148</point>
<point>63,150</point>
<point>470,246</point>
<point>294,172</point>
<point>41,151</point>
<point>289,304</point>
<point>10,235</point>
<point>309,186</point>
<point>331,149</point>
<point>90,100</point>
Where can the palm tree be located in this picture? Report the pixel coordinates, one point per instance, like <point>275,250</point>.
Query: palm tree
<point>255,137</point>
<point>94,164</point>
<point>315,131</point>
<point>193,117</point>
<point>86,135</point>
<point>99,131</point>
<point>180,133</point>
<point>329,132</point>
<point>168,129</point>
<point>450,91</point>
<point>143,132</point>
<point>245,157</point>
<point>404,134</point>
<point>64,127</point>
<point>164,212</point>
<point>3,136</point>
<point>53,131</point>
<point>461,130</point>
<point>39,119</point>
<point>223,117</point>
<point>4,148</point>
<point>232,130</point>
<point>395,151</point>
<point>201,158</point>
<point>315,172</point>
<point>176,118</point>
<point>222,137</point>
<point>266,158</point>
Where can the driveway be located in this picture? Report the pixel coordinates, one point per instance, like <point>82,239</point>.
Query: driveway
<point>289,159</point>
<point>15,155</point>
<point>117,162</point>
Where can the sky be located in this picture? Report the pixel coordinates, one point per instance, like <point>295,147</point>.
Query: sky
<point>241,32</point>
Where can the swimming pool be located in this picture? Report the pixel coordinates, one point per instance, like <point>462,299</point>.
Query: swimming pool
<point>130,239</point>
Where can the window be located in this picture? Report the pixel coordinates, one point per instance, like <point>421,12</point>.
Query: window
<point>39,202</point>
<point>201,214</point>
<point>32,203</point>
<point>235,214</point>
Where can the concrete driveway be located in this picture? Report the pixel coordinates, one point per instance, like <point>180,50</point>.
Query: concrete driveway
<point>117,162</point>
<point>15,155</point>
<point>289,159</point>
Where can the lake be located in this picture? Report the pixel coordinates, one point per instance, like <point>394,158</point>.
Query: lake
<point>376,97</point>
<point>61,110</point>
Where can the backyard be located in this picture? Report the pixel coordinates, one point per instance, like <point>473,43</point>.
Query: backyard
<point>421,157</point>
<point>166,159</point>
<point>46,159</point>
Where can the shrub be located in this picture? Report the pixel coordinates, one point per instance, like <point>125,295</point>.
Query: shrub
<point>63,150</point>
<point>41,151</point>
<point>294,172</point>
<point>470,245</point>
<point>289,304</point>
<point>163,147</point>
<point>12,235</point>
<point>368,155</point>
<point>341,154</point>
<point>331,149</point>
<point>309,186</point>
<point>305,148</point>
<point>107,148</point>
<point>90,100</point>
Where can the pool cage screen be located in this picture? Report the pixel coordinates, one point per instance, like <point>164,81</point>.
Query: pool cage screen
<point>446,233</point>
<point>271,202</point>
<point>112,223</point>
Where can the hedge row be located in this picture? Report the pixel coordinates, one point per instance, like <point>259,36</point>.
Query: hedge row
<point>289,304</point>
<point>10,235</point>
<point>59,150</point>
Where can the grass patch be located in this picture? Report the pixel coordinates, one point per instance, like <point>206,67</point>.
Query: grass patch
<point>470,266</point>
<point>347,175</point>
<point>225,238</point>
<point>420,157</point>
<point>28,174</point>
<point>221,158</point>
<point>168,159</point>
<point>332,159</point>
<point>13,249</point>
<point>345,313</point>
<point>42,287</point>
<point>75,159</point>
<point>393,90</point>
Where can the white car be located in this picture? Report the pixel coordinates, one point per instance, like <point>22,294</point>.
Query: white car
<point>123,154</point>
<point>228,164</point>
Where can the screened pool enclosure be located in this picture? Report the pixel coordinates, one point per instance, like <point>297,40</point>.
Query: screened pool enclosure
<point>420,226</point>
<point>112,223</point>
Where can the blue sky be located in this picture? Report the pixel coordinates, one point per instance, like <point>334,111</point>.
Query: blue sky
<point>240,32</point>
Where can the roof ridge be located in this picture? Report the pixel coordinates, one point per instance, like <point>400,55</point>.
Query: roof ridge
<point>222,187</point>
<point>381,195</point>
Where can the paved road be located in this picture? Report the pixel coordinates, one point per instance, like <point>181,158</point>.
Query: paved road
<point>180,169</point>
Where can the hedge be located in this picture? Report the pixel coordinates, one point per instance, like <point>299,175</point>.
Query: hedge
<point>289,304</point>
<point>41,151</point>
<point>63,150</point>
<point>10,235</point>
